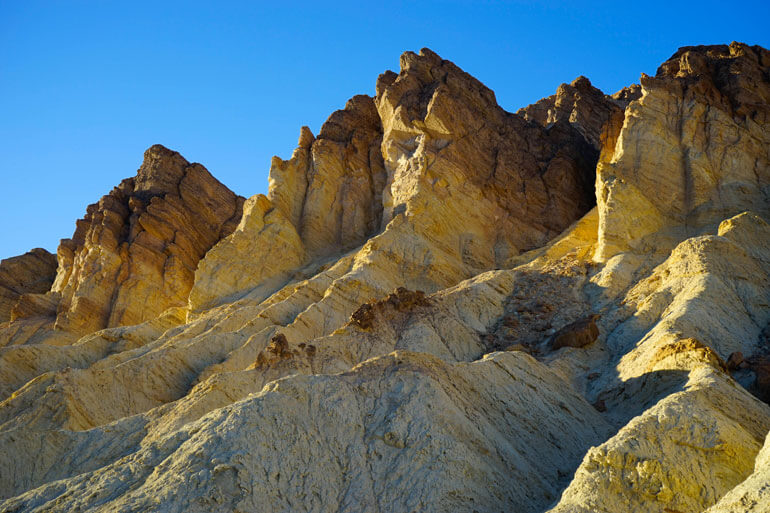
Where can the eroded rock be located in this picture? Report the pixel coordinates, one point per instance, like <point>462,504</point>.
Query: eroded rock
<point>577,334</point>
<point>698,132</point>
<point>135,252</point>
<point>30,273</point>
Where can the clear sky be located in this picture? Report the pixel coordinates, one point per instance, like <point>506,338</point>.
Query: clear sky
<point>86,87</point>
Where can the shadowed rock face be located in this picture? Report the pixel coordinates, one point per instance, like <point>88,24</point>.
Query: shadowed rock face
<point>30,273</point>
<point>700,133</point>
<point>581,105</point>
<point>135,252</point>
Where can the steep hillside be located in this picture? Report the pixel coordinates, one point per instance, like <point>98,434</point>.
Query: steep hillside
<point>439,305</point>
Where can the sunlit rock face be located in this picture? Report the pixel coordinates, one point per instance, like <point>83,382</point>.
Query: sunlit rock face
<point>426,312</point>
<point>323,201</point>
<point>444,132</point>
<point>432,172</point>
<point>30,273</point>
<point>690,152</point>
<point>135,252</point>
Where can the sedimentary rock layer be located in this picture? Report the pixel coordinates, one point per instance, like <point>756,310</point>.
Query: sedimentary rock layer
<point>425,313</point>
<point>699,133</point>
<point>135,252</point>
<point>30,273</point>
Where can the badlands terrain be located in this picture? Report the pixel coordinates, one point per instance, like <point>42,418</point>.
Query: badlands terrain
<point>438,306</point>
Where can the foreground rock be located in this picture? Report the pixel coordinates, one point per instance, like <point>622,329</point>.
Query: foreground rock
<point>486,433</point>
<point>683,454</point>
<point>752,495</point>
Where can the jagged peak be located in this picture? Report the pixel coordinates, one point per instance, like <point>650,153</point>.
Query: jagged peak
<point>359,113</point>
<point>582,82</point>
<point>306,137</point>
<point>696,60</point>
<point>461,180</point>
<point>161,171</point>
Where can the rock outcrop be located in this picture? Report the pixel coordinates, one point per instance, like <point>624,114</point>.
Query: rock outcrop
<point>581,105</point>
<point>481,423</point>
<point>698,132</point>
<point>30,273</point>
<point>432,172</point>
<point>135,252</point>
<point>751,496</point>
<point>424,313</point>
<point>331,188</point>
<point>445,137</point>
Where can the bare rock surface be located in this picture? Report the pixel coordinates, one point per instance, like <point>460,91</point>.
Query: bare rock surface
<point>425,314</point>
<point>700,133</point>
<point>402,417</point>
<point>752,495</point>
<point>30,273</point>
<point>682,454</point>
<point>581,105</point>
<point>135,252</point>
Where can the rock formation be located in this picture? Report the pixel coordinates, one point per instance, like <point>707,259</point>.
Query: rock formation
<point>30,273</point>
<point>426,312</point>
<point>698,132</point>
<point>135,252</point>
<point>581,105</point>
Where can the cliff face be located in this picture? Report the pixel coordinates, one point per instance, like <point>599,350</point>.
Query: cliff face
<point>699,132</point>
<point>425,312</point>
<point>431,171</point>
<point>135,252</point>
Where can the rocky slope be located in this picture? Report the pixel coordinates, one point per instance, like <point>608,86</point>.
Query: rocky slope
<point>425,313</point>
<point>31,273</point>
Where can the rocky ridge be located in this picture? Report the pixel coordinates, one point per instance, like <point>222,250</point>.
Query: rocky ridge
<point>424,313</point>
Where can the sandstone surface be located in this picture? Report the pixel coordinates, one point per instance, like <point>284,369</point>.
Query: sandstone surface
<point>698,132</point>
<point>424,313</point>
<point>30,273</point>
<point>135,252</point>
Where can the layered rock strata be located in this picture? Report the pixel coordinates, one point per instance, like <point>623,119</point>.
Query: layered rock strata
<point>452,349</point>
<point>698,132</point>
<point>449,182</point>
<point>30,273</point>
<point>135,252</point>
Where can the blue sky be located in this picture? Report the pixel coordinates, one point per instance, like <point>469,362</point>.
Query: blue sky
<point>86,87</point>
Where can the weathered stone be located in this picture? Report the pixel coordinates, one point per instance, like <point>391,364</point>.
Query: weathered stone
<point>36,305</point>
<point>577,334</point>
<point>443,131</point>
<point>700,133</point>
<point>735,360</point>
<point>331,189</point>
<point>135,252</point>
<point>32,273</point>
<point>309,371</point>
<point>581,105</point>
<point>682,454</point>
<point>262,251</point>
